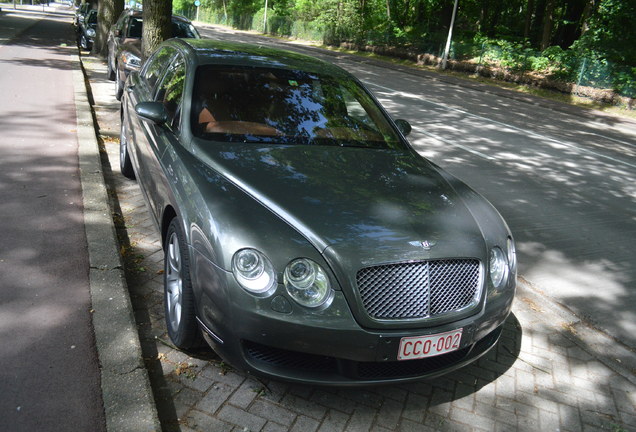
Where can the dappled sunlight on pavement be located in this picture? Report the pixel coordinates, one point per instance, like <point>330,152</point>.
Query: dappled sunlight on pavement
<point>544,374</point>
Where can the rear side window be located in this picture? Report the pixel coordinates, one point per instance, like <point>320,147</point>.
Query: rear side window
<point>170,91</point>
<point>134,28</point>
<point>156,66</point>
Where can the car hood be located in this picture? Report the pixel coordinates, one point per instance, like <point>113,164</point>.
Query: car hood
<point>361,205</point>
<point>132,45</point>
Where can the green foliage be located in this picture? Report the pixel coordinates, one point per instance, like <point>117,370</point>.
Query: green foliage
<point>181,4</point>
<point>592,42</point>
<point>612,33</point>
<point>276,24</point>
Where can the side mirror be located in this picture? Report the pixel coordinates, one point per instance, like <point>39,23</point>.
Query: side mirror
<point>403,126</point>
<point>153,112</point>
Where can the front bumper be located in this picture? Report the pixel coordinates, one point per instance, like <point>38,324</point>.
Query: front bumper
<point>307,368</point>
<point>275,338</point>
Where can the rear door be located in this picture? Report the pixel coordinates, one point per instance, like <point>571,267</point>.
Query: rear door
<point>157,138</point>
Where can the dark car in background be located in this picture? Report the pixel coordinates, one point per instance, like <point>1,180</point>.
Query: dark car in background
<point>86,30</point>
<point>124,44</point>
<point>304,238</point>
<point>80,13</point>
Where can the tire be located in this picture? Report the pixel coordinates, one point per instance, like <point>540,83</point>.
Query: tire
<point>119,88</point>
<point>83,42</point>
<point>125,164</point>
<point>110,73</point>
<point>178,295</point>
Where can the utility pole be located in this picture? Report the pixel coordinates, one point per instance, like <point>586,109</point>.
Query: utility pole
<point>265,19</point>
<point>450,36</point>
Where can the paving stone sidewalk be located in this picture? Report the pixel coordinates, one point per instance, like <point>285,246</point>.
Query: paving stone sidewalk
<point>543,374</point>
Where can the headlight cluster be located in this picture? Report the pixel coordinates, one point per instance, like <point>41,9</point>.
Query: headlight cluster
<point>502,265</point>
<point>90,32</point>
<point>131,61</point>
<point>305,281</point>
<point>254,272</point>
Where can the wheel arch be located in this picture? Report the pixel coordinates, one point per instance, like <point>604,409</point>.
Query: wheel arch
<point>169,213</point>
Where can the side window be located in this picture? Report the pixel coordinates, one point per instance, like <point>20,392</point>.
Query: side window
<point>170,91</point>
<point>355,110</point>
<point>134,28</point>
<point>156,66</point>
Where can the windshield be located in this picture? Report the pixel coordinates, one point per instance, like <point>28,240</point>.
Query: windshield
<point>267,105</point>
<point>180,29</point>
<point>92,17</point>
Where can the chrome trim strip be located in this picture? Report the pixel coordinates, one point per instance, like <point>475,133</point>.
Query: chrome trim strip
<point>210,332</point>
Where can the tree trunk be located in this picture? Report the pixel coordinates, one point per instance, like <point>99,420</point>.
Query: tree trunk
<point>529,15</point>
<point>157,16</point>
<point>569,29</point>
<point>590,6</point>
<point>405,14</point>
<point>494,20</point>
<point>484,13</point>
<point>107,13</point>
<point>420,15</point>
<point>548,20</point>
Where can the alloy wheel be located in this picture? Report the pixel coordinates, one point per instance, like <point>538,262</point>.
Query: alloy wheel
<point>174,282</point>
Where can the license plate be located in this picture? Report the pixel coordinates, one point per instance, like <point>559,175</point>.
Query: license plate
<point>417,347</point>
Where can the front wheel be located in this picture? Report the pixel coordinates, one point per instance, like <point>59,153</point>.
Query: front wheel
<point>178,295</point>
<point>110,72</point>
<point>125,164</point>
<point>119,86</point>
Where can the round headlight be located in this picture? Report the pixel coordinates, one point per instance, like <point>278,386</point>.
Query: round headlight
<point>307,283</point>
<point>90,32</point>
<point>253,271</point>
<point>498,266</point>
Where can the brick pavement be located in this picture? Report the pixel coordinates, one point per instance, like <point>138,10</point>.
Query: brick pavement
<point>542,375</point>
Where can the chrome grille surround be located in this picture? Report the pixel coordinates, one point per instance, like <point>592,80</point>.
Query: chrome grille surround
<point>420,290</point>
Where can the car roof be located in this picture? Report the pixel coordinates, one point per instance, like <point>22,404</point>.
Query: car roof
<point>210,51</point>
<point>137,13</point>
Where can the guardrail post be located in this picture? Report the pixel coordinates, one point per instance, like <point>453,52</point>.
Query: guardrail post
<point>578,83</point>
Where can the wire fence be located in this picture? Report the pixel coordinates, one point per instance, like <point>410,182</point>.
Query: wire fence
<point>554,68</point>
<point>581,71</point>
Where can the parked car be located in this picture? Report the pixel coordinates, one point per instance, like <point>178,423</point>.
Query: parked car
<point>80,13</point>
<point>86,30</point>
<point>304,238</point>
<point>124,44</point>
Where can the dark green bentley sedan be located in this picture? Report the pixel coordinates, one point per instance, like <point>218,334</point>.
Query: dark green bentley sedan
<point>304,238</point>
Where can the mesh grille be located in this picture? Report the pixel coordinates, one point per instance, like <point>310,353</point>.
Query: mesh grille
<point>289,359</point>
<point>420,289</point>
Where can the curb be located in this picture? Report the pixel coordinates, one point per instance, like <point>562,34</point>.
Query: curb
<point>127,396</point>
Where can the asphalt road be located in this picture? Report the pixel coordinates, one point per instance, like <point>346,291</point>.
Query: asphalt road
<point>49,372</point>
<point>564,178</point>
